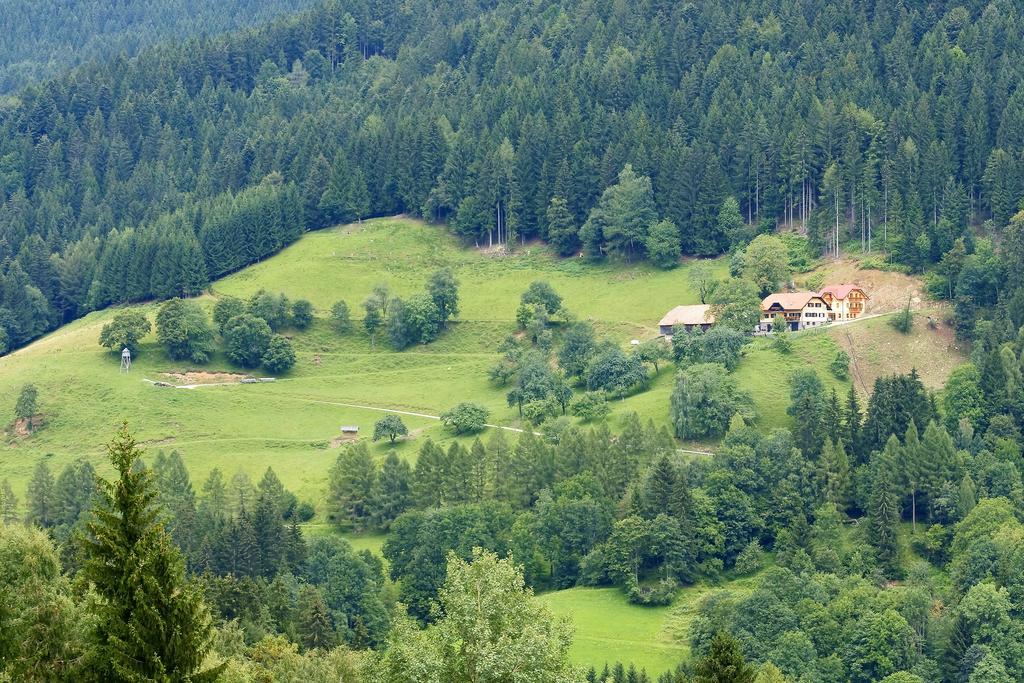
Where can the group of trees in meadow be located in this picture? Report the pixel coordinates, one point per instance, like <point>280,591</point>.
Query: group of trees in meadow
<point>553,352</point>
<point>248,330</point>
<point>638,131</point>
<point>418,319</point>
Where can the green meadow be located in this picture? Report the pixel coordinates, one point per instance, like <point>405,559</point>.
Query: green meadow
<point>292,424</point>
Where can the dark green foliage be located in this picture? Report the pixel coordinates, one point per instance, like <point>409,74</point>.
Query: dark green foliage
<point>246,340</point>
<point>613,371</point>
<point>184,331</point>
<point>225,309</point>
<point>390,426</point>
<point>419,542</point>
<point>274,309</point>
<point>280,139</point>
<point>704,400</point>
<point>718,345</point>
<point>125,331</point>
<point>27,405</point>
<point>41,498</point>
<point>279,357</point>
<point>149,622</point>
<point>302,314</point>
<point>662,244</point>
<point>444,291</point>
<point>579,344</point>
<point>415,320</point>
<point>903,320</point>
<point>540,293</point>
<point>840,365</point>
<point>590,406</point>
<point>724,663</point>
<point>465,418</point>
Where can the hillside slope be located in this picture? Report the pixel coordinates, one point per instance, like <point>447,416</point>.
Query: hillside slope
<point>291,424</point>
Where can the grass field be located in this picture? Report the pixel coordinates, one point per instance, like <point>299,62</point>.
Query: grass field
<point>609,629</point>
<point>290,425</point>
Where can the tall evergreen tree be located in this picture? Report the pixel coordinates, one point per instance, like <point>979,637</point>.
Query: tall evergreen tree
<point>150,623</point>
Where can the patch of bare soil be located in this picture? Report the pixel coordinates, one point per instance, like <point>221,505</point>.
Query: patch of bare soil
<point>200,377</point>
<point>339,441</point>
<point>888,291</point>
<point>20,429</point>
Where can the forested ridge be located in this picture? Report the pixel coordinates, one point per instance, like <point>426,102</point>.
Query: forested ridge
<point>508,121</point>
<point>44,38</point>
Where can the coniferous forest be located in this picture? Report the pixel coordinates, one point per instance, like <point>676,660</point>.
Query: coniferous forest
<point>877,537</point>
<point>896,125</point>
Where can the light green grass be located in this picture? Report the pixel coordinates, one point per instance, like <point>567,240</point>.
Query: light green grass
<point>289,425</point>
<point>608,629</point>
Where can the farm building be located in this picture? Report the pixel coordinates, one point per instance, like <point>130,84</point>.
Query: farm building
<point>687,318</point>
<point>800,310</point>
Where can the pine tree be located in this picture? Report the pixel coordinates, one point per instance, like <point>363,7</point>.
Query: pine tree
<point>314,625</point>
<point>724,663</point>
<point>149,622</point>
<point>836,480</point>
<point>8,503</point>
<point>42,506</point>
<point>883,508</point>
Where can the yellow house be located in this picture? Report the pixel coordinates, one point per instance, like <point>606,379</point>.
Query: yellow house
<point>846,302</point>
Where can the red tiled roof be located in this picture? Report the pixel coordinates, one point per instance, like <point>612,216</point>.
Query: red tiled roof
<point>841,291</point>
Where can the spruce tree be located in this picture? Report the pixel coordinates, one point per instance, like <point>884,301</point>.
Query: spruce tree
<point>8,503</point>
<point>41,498</point>
<point>150,624</point>
<point>883,508</point>
<point>724,663</point>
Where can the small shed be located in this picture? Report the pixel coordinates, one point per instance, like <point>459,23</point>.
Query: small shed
<point>688,318</point>
<point>349,429</point>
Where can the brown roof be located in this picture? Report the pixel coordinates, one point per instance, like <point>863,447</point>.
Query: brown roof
<point>790,301</point>
<point>699,314</point>
<point>842,291</point>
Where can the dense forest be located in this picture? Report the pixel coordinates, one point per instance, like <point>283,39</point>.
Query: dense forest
<point>898,127</point>
<point>43,39</point>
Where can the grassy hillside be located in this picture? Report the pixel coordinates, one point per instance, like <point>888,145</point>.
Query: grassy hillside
<point>291,424</point>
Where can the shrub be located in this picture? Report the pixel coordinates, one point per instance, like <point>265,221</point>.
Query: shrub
<point>466,418</point>
<point>302,314</point>
<point>751,559</point>
<point>273,308</point>
<point>903,321</point>
<point>340,320</point>
<point>704,401</point>
<point>225,309</point>
<point>591,406</point>
<point>304,511</point>
<point>184,331</point>
<point>658,595</point>
<point>279,356</point>
<point>840,365</point>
